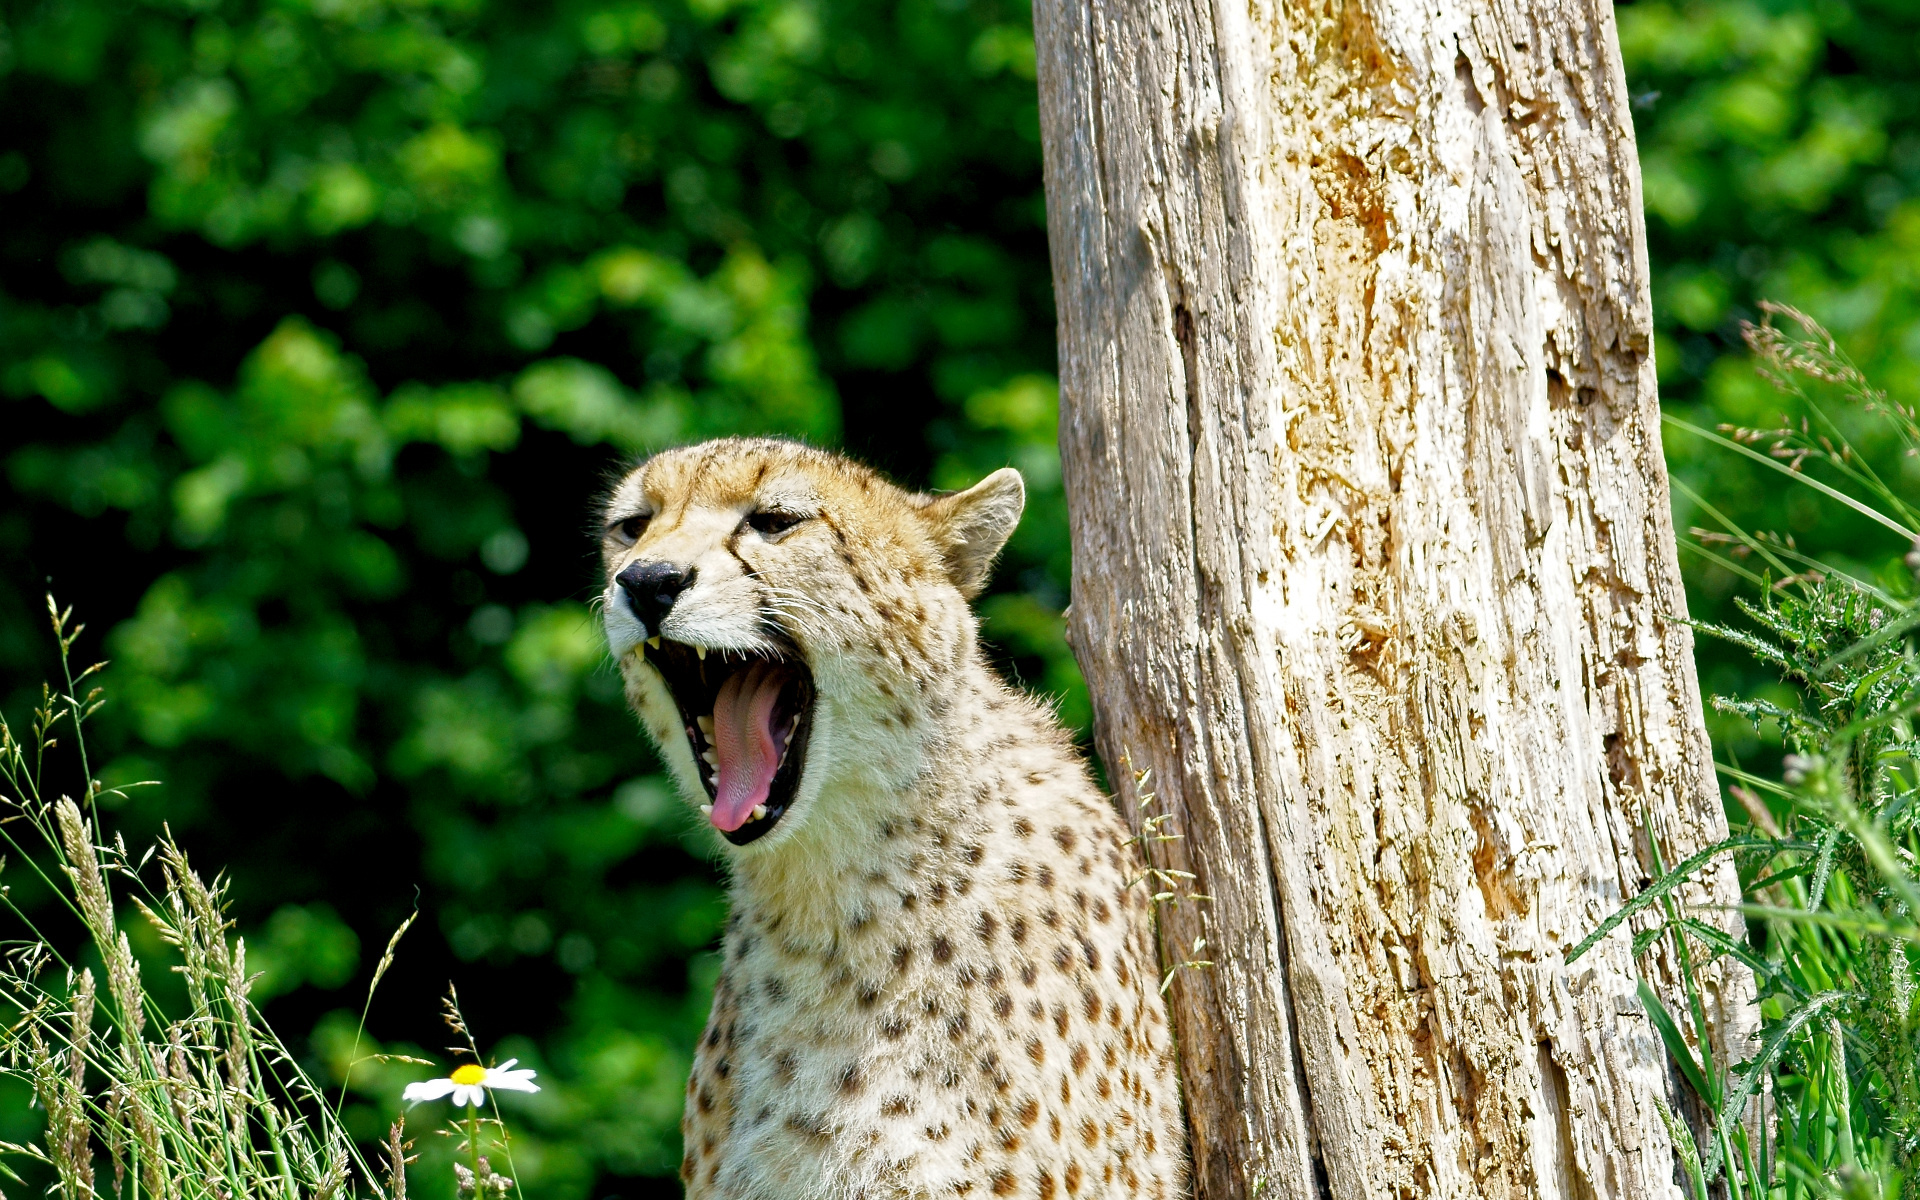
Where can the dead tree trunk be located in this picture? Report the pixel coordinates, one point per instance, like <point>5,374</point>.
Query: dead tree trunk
<point>1374,568</point>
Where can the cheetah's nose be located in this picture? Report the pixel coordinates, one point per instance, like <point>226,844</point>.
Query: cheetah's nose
<point>651,589</point>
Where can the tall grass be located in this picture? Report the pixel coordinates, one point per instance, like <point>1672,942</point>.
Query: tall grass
<point>143,1104</point>
<point>1829,853</point>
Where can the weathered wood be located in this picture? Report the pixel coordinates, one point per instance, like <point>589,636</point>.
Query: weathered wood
<point>1374,568</point>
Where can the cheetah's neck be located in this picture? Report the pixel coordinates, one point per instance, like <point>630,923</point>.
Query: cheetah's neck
<point>872,839</point>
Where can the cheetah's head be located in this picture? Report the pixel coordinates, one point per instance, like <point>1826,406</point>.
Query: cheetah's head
<point>785,617</point>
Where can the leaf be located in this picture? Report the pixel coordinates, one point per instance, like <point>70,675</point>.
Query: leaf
<point>1871,839</point>
<point>1721,942</point>
<point>1873,641</point>
<point>1823,869</point>
<point>1866,683</point>
<point>1790,719</point>
<point>1760,648</point>
<point>1748,1081</point>
<point>1676,1044</point>
<point>1646,938</point>
<point>1660,887</point>
<point>1868,926</point>
<point>1781,876</point>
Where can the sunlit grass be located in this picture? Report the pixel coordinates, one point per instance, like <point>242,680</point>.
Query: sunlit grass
<point>140,1102</point>
<point>1829,1102</point>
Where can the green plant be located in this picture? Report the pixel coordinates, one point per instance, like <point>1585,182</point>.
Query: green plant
<point>1829,1104</point>
<point>204,1102</point>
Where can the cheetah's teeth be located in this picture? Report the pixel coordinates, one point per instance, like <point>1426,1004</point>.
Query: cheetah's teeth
<point>701,651</point>
<point>705,724</point>
<point>706,810</point>
<point>654,642</point>
<point>708,757</point>
<point>759,812</point>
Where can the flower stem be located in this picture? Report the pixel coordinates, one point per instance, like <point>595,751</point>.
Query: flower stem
<point>473,1145</point>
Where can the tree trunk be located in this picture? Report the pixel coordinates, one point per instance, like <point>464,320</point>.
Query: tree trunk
<point>1374,568</point>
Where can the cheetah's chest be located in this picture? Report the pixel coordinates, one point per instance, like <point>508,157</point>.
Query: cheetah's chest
<point>993,1027</point>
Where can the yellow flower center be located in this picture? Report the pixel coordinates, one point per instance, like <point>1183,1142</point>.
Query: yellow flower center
<point>470,1073</point>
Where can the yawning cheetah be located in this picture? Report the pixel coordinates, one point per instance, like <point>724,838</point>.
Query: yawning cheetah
<point>938,981</point>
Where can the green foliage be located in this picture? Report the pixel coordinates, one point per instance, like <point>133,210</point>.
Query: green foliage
<point>1780,149</point>
<point>322,323</point>
<point>1828,853</point>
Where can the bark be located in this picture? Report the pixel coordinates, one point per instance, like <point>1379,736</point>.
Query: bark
<point>1374,569</point>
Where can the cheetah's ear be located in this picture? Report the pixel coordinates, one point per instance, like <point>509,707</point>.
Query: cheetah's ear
<point>973,525</point>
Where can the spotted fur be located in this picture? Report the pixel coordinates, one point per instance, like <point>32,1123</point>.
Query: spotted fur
<point>937,980</point>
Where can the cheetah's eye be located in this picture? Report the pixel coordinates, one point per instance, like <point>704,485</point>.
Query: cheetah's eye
<point>629,530</point>
<point>772,522</point>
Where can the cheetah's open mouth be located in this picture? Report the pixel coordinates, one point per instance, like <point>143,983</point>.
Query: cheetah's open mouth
<point>747,719</point>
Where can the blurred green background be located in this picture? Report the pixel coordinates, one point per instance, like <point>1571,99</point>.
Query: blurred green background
<point>1780,150</point>
<point>323,322</point>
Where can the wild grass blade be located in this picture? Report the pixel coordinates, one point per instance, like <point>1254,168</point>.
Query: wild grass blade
<point>1748,1081</point>
<point>1677,1047</point>
<point>1832,493</point>
<point>210,1104</point>
<point>1666,883</point>
<point>1746,539</point>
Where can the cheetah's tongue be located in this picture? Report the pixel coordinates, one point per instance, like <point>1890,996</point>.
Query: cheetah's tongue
<point>746,743</point>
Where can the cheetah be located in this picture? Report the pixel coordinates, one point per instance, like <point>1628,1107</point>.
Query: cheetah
<point>937,980</point>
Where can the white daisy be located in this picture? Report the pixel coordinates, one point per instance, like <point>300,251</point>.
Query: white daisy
<point>469,1083</point>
